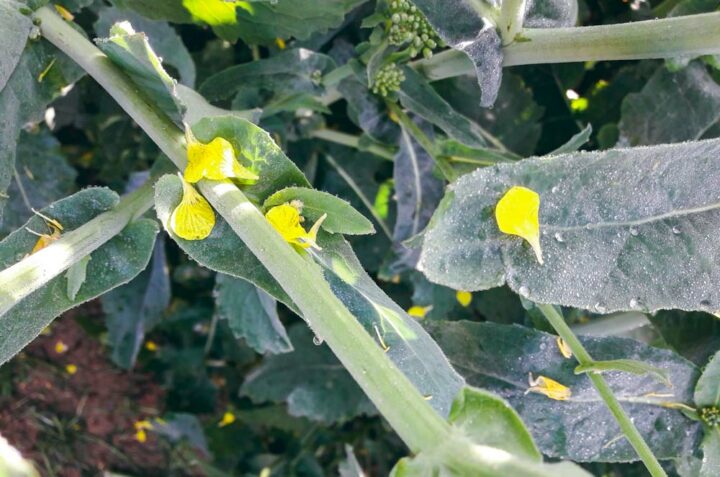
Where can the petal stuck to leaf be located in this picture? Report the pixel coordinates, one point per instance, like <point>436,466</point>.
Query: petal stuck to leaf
<point>193,218</point>
<point>215,161</point>
<point>286,220</point>
<point>463,297</point>
<point>517,214</point>
<point>564,348</point>
<point>548,387</point>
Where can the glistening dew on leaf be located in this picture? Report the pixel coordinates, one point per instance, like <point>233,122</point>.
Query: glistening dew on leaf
<point>215,160</point>
<point>193,218</point>
<point>548,387</point>
<point>517,213</point>
<point>286,219</point>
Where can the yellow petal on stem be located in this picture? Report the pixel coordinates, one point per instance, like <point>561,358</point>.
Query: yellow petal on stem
<point>548,387</point>
<point>564,348</point>
<point>215,160</point>
<point>517,214</point>
<point>286,220</point>
<point>193,218</point>
<point>463,297</point>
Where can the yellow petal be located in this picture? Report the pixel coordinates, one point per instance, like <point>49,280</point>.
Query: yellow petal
<point>193,218</point>
<point>151,346</point>
<point>419,311</point>
<point>215,160</point>
<point>71,369</point>
<point>549,387</point>
<point>517,214</point>
<point>463,297</point>
<point>60,347</point>
<point>564,348</point>
<point>286,219</point>
<point>141,436</point>
<point>227,419</point>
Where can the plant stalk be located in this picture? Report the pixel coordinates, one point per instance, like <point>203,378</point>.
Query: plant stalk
<point>692,35</point>
<point>512,16</point>
<point>31,273</point>
<point>393,394</point>
<point>352,141</point>
<point>583,357</point>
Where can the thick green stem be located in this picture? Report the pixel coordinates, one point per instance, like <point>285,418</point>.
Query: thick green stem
<point>352,141</point>
<point>34,271</point>
<point>692,35</point>
<point>512,15</point>
<point>389,389</point>
<point>606,393</point>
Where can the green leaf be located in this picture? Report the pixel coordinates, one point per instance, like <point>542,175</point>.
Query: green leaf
<point>114,263</point>
<point>462,26</point>
<point>177,427</point>
<point>42,175</point>
<point>133,309</point>
<point>16,28</point>
<point>25,98</point>
<point>692,7</point>
<point>350,467</point>
<point>253,144</point>
<point>672,107</point>
<point>418,96</point>
<point>626,366</point>
<point>163,38</point>
<point>310,380</point>
<point>251,314</point>
<point>132,52</point>
<point>499,358</point>
<point>696,336</point>
<point>707,390</point>
<point>198,108</point>
<point>76,276</point>
<point>575,142</point>
<point>290,71</point>
<point>342,218</point>
<point>620,229</point>
<point>711,453</point>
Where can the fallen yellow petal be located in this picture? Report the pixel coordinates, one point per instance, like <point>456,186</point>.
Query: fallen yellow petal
<point>286,219</point>
<point>67,16</point>
<point>227,419</point>
<point>215,160</point>
<point>141,436</point>
<point>60,347</point>
<point>151,346</point>
<point>193,218</point>
<point>463,297</point>
<point>548,387</point>
<point>564,348</point>
<point>517,214</point>
<point>419,311</point>
<point>71,369</point>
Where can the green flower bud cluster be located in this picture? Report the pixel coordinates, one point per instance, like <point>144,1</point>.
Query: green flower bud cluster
<point>388,79</point>
<point>408,25</point>
<point>710,415</point>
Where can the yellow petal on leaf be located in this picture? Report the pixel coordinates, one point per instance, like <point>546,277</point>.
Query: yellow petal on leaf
<point>215,160</point>
<point>419,311</point>
<point>548,387</point>
<point>463,297</point>
<point>193,218</point>
<point>564,348</point>
<point>517,214</point>
<point>286,220</point>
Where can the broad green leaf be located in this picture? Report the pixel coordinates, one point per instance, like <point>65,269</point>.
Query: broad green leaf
<point>696,336</point>
<point>406,342</point>
<point>310,380</point>
<point>417,192</point>
<point>132,52</point>
<point>514,119</point>
<point>38,78</point>
<point>114,263</point>
<point>672,107</point>
<point>419,97</point>
<point>43,173</point>
<point>626,366</point>
<point>621,229</point>
<point>182,426</point>
<point>163,38</point>
<point>290,71</point>
<point>462,26</point>
<point>499,358</point>
<point>342,218</point>
<point>711,453</point>
<point>76,276</point>
<point>133,309</point>
<point>16,27</point>
<point>707,390</point>
<point>251,314</point>
<point>253,144</point>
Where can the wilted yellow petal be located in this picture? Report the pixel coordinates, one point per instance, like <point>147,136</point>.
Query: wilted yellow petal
<point>144,424</point>
<point>141,436</point>
<point>227,419</point>
<point>64,13</point>
<point>151,346</point>
<point>46,239</point>
<point>419,311</point>
<point>71,369</point>
<point>463,297</point>
<point>564,348</point>
<point>548,387</point>
<point>193,218</point>
<point>286,220</point>
<point>60,347</point>
<point>215,161</point>
<point>280,43</point>
<point>517,214</point>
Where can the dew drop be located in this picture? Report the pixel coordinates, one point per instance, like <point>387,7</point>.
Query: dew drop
<point>676,230</point>
<point>555,189</point>
<point>634,231</point>
<point>634,303</point>
<point>317,341</point>
<point>559,237</point>
<point>524,291</point>
<point>600,308</point>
